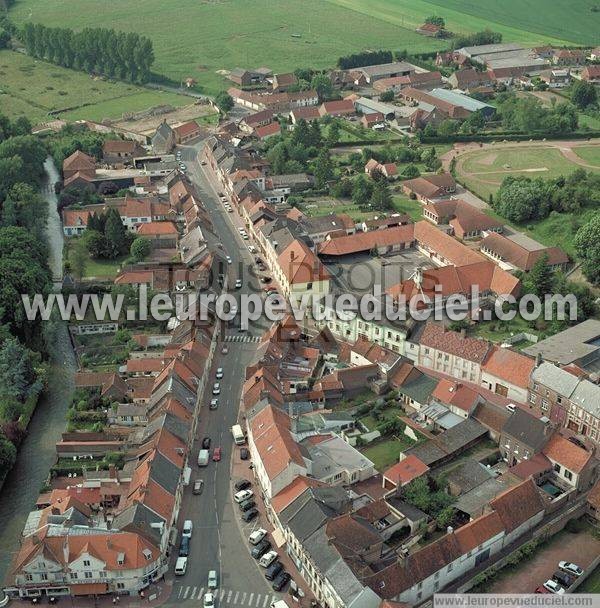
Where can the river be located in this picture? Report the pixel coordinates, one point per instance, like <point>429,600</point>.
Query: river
<point>37,452</point>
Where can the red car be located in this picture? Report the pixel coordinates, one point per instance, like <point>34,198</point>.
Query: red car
<point>542,589</point>
<point>217,454</point>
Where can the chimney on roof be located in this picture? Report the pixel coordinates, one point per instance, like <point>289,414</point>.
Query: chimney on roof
<point>112,471</point>
<point>538,359</point>
<point>418,279</point>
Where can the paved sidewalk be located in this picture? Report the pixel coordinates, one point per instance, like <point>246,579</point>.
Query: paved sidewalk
<point>241,470</point>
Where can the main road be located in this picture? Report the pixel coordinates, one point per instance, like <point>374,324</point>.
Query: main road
<point>219,540</point>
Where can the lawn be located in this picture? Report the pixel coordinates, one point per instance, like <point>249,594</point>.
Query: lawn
<point>484,170</point>
<point>196,38</point>
<point>403,204</point>
<point>591,583</point>
<point>527,21</point>
<point>34,88</point>
<point>101,269</point>
<point>386,452</point>
<point>589,154</point>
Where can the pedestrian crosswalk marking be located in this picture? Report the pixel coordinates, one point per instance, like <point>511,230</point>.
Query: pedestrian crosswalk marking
<point>227,597</point>
<point>241,338</point>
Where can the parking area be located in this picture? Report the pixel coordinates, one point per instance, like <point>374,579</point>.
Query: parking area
<point>581,548</point>
<point>358,273</point>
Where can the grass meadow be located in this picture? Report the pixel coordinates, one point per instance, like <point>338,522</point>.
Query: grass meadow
<point>34,88</point>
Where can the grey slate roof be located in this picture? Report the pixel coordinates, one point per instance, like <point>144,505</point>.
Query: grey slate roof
<point>556,379</point>
<point>468,475</point>
<point>587,397</point>
<point>419,389</point>
<point>171,423</point>
<point>527,429</point>
<point>138,517</point>
<point>165,473</point>
<point>461,435</point>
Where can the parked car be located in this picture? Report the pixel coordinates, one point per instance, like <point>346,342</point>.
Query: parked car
<point>216,454</point>
<point>216,388</point>
<point>213,581</point>
<point>249,515</point>
<point>268,558</point>
<point>206,443</point>
<point>554,587</point>
<point>571,568</point>
<point>184,547</point>
<point>247,505</point>
<point>273,570</point>
<point>283,578</point>
<point>188,526</point>
<point>242,484</point>
<point>209,600</point>
<point>257,536</point>
<point>229,260</point>
<point>219,373</point>
<point>214,404</point>
<point>563,579</point>
<point>244,453</point>
<point>266,279</point>
<point>238,283</point>
<point>198,486</point>
<point>181,566</point>
<point>260,549</point>
<point>541,589</point>
<point>243,495</point>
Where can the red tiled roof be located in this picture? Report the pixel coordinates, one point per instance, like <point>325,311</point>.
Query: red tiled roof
<point>157,228</point>
<point>406,470</point>
<point>476,532</point>
<point>306,113</point>
<point>75,217</point>
<point>119,146</point>
<point>366,241</point>
<point>471,349</point>
<point>454,393</point>
<point>451,250</point>
<point>572,457</point>
<point>186,129</point>
<point>271,129</point>
<point>511,252</point>
<point>300,265</point>
<point>286,496</point>
<point>510,366</point>
<point>79,161</point>
<point>517,505</point>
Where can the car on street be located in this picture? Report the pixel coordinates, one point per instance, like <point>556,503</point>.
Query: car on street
<point>229,209</point>
<point>209,600</point>
<point>225,349</point>
<point>181,566</point>
<point>214,404</point>
<point>219,373</point>
<point>247,505</point>
<point>198,486</point>
<point>229,260</point>
<point>244,454</point>
<point>242,484</point>
<point>283,578</point>
<point>184,547</point>
<point>203,163</point>
<point>206,443</point>
<point>273,570</point>
<point>238,283</point>
<point>251,248</point>
<point>268,558</point>
<point>213,581</point>
<point>260,548</point>
<point>216,454</point>
<point>266,279</point>
<point>249,515</point>
<point>243,495</point>
<point>571,568</point>
<point>245,236</point>
<point>216,388</point>
<point>554,587</point>
<point>257,536</point>
<point>188,526</point>
<point>541,589</point>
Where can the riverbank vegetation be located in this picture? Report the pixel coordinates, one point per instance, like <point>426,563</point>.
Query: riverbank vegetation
<point>24,270</point>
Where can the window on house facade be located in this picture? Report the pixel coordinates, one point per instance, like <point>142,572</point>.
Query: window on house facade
<point>557,467</point>
<point>44,576</point>
<point>87,574</point>
<point>74,575</point>
<point>544,404</point>
<point>568,475</point>
<point>532,398</point>
<point>86,562</point>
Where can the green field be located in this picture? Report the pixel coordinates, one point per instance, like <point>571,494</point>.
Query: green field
<point>526,21</point>
<point>35,88</point>
<point>484,170</point>
<point>589,154</point>
<point>197,37</point>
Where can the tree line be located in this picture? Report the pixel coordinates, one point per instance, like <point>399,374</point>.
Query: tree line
<point>127,56</point>
<point>24,270</point>
<point>357,60</point>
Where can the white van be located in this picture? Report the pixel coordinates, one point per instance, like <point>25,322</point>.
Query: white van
<point>188,526</point>
<point>267,559</point>
<point>181,566</point>
<point>203,458</point>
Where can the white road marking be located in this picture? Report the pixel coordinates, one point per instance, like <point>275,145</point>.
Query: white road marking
<point>229,596</point>
<point>185,593</point>
<point>266,600</point>
<point>180,592</point>
<point>250,599</point>
<point>201,594</point>
<point>237,593</point>
<point>243,601</point>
